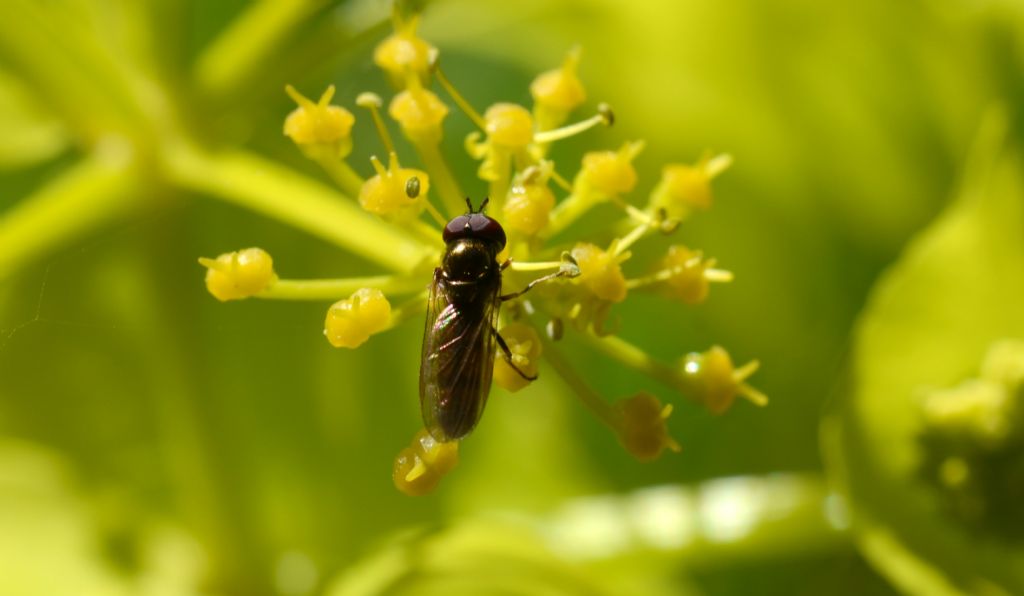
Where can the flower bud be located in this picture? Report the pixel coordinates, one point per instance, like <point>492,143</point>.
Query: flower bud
<point>524,343</point>
<point>239,274</point>
<point>683,188</point>
<point>609,173</point>
<point>509,126</point>
<point>712,379</point>
<point>600,272</point>
<point>420,466</point>
<point>404,53</point>
<point>528,207</point>
<point>557,92</point>
<point>420,114</point>
<point>688,276</point>
<point>641,426</point>
<point>387,192</point>
<point>352,321</point>
<point>319,127</point>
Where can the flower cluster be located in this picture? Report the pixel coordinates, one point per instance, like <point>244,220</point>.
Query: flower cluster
<point>538,207</point>
<point>973,443</point>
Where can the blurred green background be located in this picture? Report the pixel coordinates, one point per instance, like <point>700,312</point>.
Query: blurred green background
<point>155,441</point>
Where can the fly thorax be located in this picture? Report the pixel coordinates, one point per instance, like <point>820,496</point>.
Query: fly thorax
<point>469,259</point>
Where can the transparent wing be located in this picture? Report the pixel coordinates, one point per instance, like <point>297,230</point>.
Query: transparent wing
<point>458,358</point>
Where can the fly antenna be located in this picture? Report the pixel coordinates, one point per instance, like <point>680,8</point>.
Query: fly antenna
<point>483,204</point>
<point>469,205</point>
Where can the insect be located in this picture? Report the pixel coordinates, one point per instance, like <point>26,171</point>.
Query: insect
<point>460,337</point>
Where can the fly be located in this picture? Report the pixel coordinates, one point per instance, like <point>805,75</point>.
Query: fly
<point>460,337</point>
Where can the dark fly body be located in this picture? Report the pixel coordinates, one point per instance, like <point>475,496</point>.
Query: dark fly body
<point>460,337</point>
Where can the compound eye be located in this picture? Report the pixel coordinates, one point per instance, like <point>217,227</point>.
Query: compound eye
<point>488,229</point>
<point>458,227</point>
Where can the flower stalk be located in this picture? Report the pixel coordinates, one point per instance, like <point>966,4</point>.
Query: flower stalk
<point>257,184</point>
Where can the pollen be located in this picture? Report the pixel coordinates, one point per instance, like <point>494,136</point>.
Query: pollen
<point>419,467</point>
<point>609,173</point>
<point>524,343</point>
<point>352,321</point>
<point>387,193</point>
<point>509,126</point>
<point>716,383</point>
<point>600,272</point>
<point>319,125</point>
<point>419,112</point>
<point>641,426</point>
<point>239,274</point>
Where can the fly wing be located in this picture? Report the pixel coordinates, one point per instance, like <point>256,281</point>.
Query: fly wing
<point>458,359</point>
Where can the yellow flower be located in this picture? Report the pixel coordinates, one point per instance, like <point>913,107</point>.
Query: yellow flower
<point>683,188</point>
<point>319,127</point>
<point>529,203</point>
<point>609,173</point>
<point>509,126</point>
<point>419,467</point>
<point>688,275</point>
<point>404,53</point>
<point>524,343</point>
<point>420,113</point>
<point>600,272</point>
<point>387,193</point>
<point>641,426</point>
<point>714,381</point>
<point>239,274</point>
<point>352,321</point>
<point>557,92</point>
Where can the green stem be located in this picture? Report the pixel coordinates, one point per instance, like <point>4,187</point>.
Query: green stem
<point>623,244</point>
<point>335,289</point>
<point>498,188</point>
<point>278,192</point>
<point>567,212</point>
<point>408,309</point>
<point>241,50</point>
<point>90,193</point>
<point>633,357</point>
<point>343,175</point>
<point>452,198</point>
<point>591,400</point>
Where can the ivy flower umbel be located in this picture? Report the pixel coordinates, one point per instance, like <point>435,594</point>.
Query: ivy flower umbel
<point>538,207</point>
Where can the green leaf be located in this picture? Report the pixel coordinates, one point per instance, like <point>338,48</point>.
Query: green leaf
<point>956,291</point>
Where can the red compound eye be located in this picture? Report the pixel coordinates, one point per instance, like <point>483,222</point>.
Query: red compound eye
<point>477,226</point>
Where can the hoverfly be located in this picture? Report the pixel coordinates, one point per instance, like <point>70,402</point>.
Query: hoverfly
<point>460,336</point>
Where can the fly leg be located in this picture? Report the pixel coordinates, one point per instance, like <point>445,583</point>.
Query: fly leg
<point>508,356</point>
<point>563,272</point>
